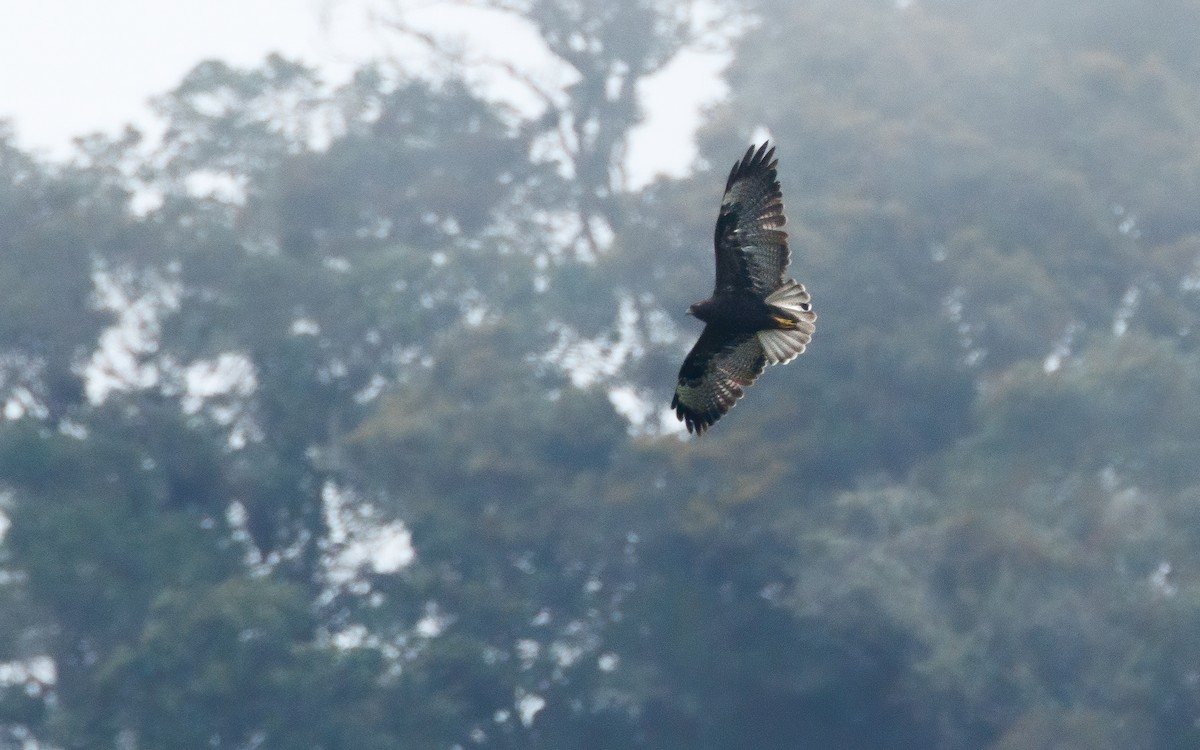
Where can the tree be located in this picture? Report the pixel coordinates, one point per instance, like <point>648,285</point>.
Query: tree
<point>967,521</point>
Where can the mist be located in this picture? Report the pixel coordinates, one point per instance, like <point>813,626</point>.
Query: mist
<point>335,414</point>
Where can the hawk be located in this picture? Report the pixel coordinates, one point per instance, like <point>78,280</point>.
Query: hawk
<point>754,317</point>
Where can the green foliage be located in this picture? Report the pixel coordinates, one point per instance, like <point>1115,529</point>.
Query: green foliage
<point>967,518</point>
<point>58,227</point>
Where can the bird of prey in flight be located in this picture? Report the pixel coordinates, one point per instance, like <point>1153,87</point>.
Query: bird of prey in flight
<point>755,317</point>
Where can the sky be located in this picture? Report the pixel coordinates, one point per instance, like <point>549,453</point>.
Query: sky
<point>72,67</point>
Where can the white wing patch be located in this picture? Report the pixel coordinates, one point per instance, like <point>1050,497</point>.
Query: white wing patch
<point>783,345</point>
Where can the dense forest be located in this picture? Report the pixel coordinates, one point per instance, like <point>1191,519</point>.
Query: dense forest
<point>337,418</point>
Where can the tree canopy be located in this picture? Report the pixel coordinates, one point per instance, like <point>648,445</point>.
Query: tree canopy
<point>334,420</point>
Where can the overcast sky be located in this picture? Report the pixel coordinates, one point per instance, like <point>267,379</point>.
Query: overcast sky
<point>69,67</point>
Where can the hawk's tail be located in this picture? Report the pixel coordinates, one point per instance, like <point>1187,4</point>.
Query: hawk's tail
<point>782,345</point>
<point>793,297</point>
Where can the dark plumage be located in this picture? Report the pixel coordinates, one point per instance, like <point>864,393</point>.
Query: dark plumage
<point>754,317</point>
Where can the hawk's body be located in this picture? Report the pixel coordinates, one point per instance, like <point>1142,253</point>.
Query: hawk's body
<point>754,317</point>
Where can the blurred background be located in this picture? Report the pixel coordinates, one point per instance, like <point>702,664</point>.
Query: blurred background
<point>334,373</point>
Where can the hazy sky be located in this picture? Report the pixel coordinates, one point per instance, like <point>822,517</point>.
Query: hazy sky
<point>69,67</point>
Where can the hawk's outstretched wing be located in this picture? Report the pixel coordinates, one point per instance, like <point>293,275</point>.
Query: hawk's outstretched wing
<point>752,251</point>
<point>713,375</point>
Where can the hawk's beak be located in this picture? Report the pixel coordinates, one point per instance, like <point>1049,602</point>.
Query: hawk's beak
<point>691,310</point>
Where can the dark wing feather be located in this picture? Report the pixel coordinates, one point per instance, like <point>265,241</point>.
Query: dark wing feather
<point>752,251</point>
<point>713,375</point>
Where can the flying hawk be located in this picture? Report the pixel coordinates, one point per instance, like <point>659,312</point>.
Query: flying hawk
<point>754,317</point>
